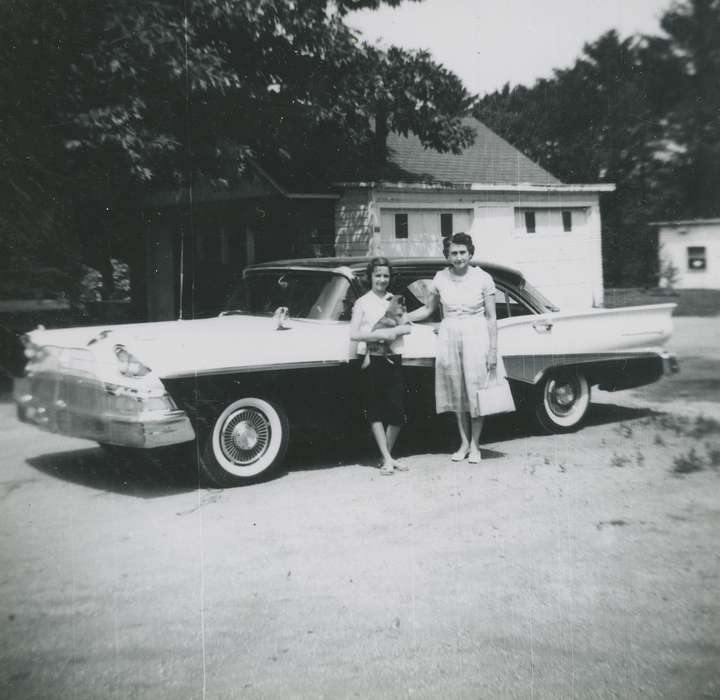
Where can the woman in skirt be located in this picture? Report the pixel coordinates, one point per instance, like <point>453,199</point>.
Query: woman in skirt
<point>382,380</point>
<point>467,361</point>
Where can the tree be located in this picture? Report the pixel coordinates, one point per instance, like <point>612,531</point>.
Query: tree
<point>640,112</point>
<point>103,97</point>
<point>686,62</point>
<point>593,123</point>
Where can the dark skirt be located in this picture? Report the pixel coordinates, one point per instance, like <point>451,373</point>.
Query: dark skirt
<point>384,390</point>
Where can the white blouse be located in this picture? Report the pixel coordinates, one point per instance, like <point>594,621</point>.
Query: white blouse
<point>367,311</point>
<point>463,295</point>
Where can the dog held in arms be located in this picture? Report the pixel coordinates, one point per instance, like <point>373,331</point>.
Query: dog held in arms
<point>394,316</point>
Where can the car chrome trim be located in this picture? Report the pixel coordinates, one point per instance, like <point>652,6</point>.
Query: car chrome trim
<point>99,414</point>
<point>244,369</point>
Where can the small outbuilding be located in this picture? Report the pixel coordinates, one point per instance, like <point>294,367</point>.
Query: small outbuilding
<point>517,213</point>
<point>690,253</point>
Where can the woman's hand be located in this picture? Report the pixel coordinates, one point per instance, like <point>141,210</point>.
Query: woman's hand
<point>491,362</point>
<point>405,329</point>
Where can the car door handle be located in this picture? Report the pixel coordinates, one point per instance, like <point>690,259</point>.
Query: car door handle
<point>542,326</point>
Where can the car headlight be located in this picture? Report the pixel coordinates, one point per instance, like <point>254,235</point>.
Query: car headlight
<point>130,366</point>
<point>30,349</point>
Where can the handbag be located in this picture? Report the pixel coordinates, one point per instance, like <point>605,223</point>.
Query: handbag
<point>495,396</point>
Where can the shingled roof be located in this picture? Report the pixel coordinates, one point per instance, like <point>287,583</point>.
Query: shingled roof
<point>489,161</point>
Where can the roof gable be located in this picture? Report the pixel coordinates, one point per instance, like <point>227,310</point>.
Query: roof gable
<point>489,161</point>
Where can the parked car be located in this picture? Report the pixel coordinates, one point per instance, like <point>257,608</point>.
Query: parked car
<point>244,383</point>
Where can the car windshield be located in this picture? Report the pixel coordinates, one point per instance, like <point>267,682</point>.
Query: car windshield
<point>537,299</point>
<point>310,294</point>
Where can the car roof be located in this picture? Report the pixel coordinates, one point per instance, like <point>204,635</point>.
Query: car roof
<point>399,263</point>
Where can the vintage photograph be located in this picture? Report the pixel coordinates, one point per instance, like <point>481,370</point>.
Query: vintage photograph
<point>359,349</point>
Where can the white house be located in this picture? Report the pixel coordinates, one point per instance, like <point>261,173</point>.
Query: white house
<point>692,247</point>
<point>517,213</point>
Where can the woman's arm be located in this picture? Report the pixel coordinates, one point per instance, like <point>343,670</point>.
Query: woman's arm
<point>425,311</point>
<point>491,317</point>
<point>358,333</point>
<point>387,334</point>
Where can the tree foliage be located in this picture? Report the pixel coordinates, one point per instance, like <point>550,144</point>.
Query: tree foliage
<point>101,98</point>
<point>641,112</point>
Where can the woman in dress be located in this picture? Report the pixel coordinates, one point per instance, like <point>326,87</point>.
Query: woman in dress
<point>467,359</point>
<point>382,381</point>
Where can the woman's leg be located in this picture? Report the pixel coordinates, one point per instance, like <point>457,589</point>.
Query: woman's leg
<point>391,435</point>
<point>462,424</point>
<point>476,424</point>
<point>378,431</point>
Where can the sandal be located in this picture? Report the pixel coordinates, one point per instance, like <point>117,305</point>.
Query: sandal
<point>400,467</point>
<point>387,471</point>
<point>475,457</point>
<point>460,455</point>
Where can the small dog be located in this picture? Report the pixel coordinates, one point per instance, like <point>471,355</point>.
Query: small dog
<point>394,315</point>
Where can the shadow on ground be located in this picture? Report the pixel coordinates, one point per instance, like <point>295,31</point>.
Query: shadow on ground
<point>177,472</point>
<point>438,437</point>
<point>137,477</point>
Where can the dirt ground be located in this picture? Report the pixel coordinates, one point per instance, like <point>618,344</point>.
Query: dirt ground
<point>575,566</point>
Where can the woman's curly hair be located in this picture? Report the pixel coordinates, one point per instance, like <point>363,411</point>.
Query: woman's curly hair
<point>458,239</point>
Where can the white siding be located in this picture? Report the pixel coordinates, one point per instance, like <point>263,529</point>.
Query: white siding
<point>424,239</point>
<point>674,244</point>
<point>354,224</point>
<point>566,266</point>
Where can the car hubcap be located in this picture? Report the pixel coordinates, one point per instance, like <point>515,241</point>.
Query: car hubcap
<point>562,397</point>
<point>245,436</point>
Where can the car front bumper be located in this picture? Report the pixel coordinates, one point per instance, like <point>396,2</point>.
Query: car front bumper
<point>87,408</point>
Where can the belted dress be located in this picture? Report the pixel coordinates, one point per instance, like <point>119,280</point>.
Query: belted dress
<point>463,342</point>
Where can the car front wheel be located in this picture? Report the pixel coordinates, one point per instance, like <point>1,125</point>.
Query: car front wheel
<point>561,401</point>
<point>245,443</point>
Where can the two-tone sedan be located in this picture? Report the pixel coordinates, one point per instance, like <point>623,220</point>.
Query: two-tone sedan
<point>242,384</point>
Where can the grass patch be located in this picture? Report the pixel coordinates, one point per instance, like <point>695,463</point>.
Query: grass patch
<point>679,425</point>
<point>713,455</point>
<point>688,463</point>
<point>619,460</point>
<point>691,302</point>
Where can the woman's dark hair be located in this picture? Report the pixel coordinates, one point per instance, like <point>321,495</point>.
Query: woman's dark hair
<point>458,239</point>
<point>377,262</point>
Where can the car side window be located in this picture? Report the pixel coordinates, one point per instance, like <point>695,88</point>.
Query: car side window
<point>416,291</point>
<point>507,305</point>
<point>501,305</point>
<point>345,306</point>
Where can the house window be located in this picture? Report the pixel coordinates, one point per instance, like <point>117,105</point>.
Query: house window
<point>567,220</point>
<point>697,258</point>
<point>446,225</point>
<point>530,221</point>
<point>401,225</point>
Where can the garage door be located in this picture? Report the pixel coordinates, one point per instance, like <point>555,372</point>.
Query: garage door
<point>419,232</point>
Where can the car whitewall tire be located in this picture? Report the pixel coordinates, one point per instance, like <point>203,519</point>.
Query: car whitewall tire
<point>245,442</point>
<point>561,401</point>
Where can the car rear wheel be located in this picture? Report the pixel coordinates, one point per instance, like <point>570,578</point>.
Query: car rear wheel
<point>246,442</point>
<point>561,401</point>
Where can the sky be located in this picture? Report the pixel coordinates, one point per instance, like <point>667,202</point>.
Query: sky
<point>488,43</point>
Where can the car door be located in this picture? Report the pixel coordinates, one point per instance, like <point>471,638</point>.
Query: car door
<point>525,337</point>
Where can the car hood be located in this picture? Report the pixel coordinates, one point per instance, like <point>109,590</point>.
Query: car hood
<point>213,345</point>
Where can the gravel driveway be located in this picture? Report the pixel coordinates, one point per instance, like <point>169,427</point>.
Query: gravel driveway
<point>575,566</point>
